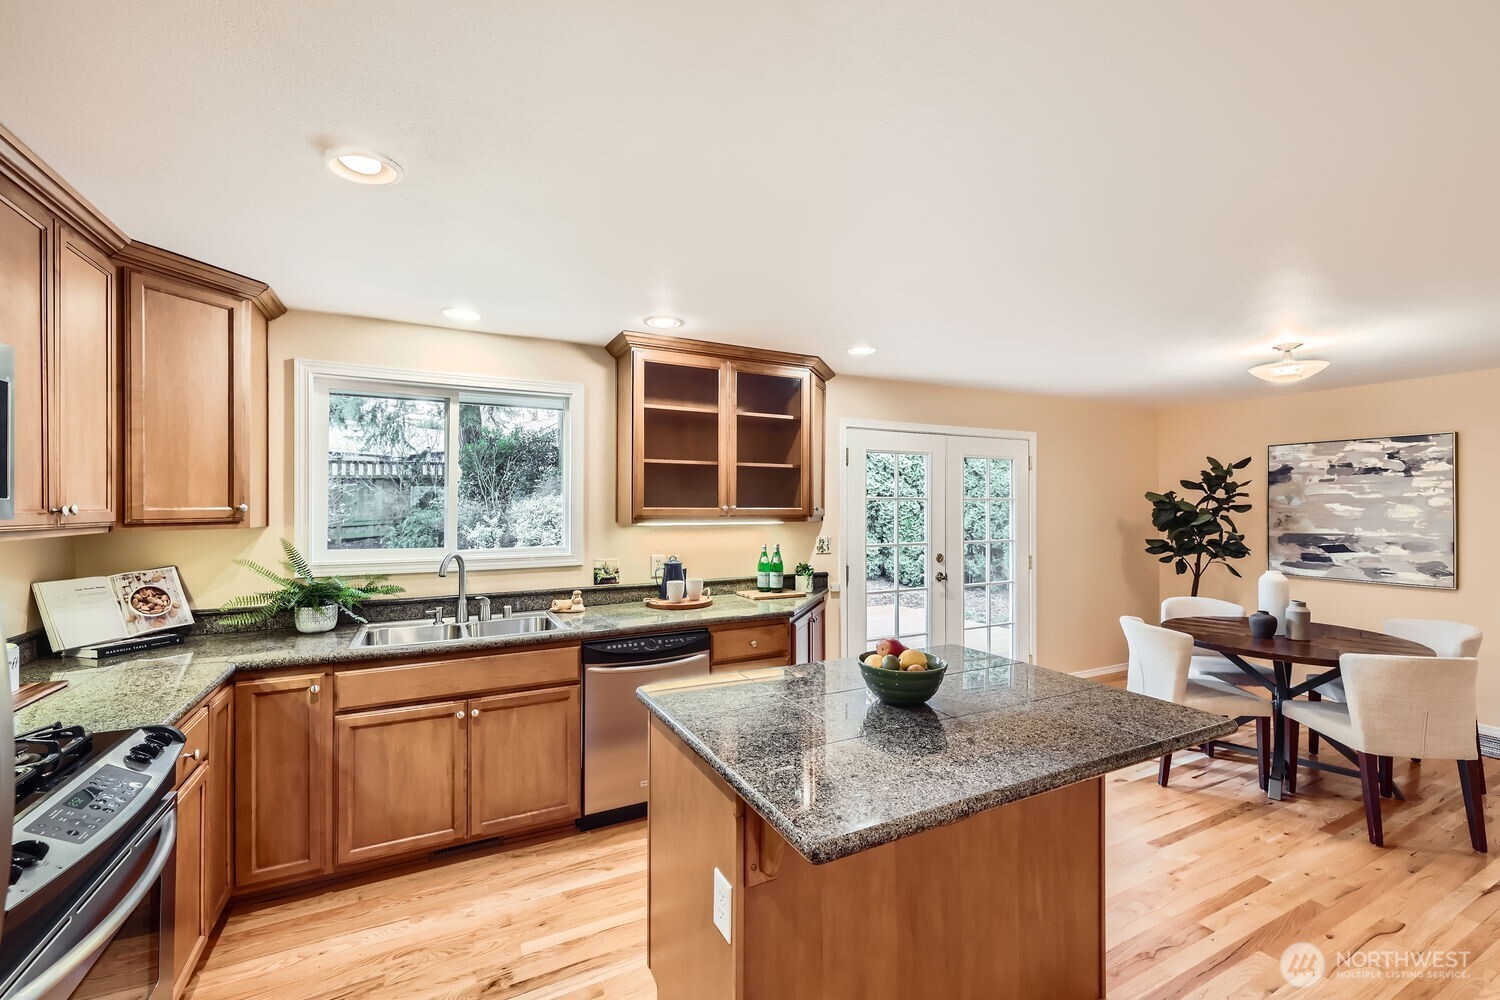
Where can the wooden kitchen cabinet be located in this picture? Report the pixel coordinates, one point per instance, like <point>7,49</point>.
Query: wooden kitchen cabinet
<point>187,403</point>
<point>525,761</point>
<point>25,325</point>
<point>218,808</point>
<point>808,632</point>
<point>402,780</point>
<point>283,767</point>
<point>705,430</point>
<point>189,930</point>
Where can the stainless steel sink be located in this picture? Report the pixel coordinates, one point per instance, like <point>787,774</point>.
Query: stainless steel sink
<point>420,633</point>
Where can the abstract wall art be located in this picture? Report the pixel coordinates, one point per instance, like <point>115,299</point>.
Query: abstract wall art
<point>1367,510</point>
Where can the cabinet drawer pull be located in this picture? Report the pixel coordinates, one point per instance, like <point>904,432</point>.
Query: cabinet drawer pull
<point>197,754</point>
<point>754,643</point>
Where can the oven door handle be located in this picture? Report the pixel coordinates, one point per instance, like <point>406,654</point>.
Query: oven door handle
<point>110,924</point>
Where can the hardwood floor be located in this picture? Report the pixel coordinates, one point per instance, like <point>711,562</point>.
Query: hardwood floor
<point>1208,884</point>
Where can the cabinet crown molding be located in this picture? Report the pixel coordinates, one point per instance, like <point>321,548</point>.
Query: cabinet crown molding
<point>629,339</point>
<point>144,255</point>
<point>22,166</point>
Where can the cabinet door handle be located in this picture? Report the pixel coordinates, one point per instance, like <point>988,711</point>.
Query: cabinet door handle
<point>459,714</point>
<point>473,713</point>
<point>243,508</point>
<point>725,508</point>
<point>313,689</point>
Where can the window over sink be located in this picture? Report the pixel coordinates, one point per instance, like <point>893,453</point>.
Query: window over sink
<point>395,468</point>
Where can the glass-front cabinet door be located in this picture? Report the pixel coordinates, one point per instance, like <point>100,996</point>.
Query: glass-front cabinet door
<point>678,436</point>
<point>770,440</point>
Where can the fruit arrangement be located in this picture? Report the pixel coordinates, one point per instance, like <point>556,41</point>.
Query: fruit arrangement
<point>892,654</point>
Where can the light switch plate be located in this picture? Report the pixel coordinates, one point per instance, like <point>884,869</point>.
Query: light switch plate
<point>657,562</point>
<point>722,897</point>
<point>824,546</point>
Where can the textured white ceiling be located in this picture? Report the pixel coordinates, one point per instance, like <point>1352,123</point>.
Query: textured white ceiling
<point>1087,197</point>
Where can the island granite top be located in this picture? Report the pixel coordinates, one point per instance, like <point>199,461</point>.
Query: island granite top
<point>836,772</point>
<point>160,686</point>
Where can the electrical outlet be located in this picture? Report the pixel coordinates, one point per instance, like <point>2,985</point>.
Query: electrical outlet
<point>722,896</point>
<point>824,546</point>
<point>657,562</point>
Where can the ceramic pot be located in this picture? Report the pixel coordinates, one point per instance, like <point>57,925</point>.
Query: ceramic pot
<point>1273,593</point>
<point>1298,622</point>
<point>314,620</point>
<point>1262,625</point>
<point>805,583</point>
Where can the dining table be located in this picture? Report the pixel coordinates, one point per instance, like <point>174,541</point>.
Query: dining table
<point>1320,652</point>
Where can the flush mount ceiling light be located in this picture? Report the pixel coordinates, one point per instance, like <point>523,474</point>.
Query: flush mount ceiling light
<point>1288,369</point>
<point>662,322</point>
<point>363,167</point>
<point>461,314</point>
<point>861,350</point>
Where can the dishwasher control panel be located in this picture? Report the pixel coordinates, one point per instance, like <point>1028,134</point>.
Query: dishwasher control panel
<point>645,648</point>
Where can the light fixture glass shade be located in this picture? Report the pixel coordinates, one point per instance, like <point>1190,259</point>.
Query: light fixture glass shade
<point>363,167</point>
<point>662,322</point>
<point>1289,368</point>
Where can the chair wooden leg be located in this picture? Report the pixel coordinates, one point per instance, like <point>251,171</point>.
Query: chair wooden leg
<point>1292,731</point>
<point>1262,748</point>
<point>1484,784</point>
<point>1312,734</point>
<point>1387,779</point>
<point>1468,779</point>
<point>1164,769</point>
<point>1369,780</point>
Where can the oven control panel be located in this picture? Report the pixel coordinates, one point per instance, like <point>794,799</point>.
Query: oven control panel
<point>85,819</point>
<point>90,808</point>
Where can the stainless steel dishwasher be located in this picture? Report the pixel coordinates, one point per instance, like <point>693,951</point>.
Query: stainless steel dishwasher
<point>614,721</point>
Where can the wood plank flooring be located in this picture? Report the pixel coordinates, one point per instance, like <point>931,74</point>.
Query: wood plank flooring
<point>1208,884</point>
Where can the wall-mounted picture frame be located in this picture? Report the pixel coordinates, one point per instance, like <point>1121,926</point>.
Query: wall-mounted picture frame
<point>1366,510</point>
<point>606,571</point>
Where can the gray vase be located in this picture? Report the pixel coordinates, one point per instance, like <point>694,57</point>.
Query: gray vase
<point>1262,625</point>
<point>314,620</point>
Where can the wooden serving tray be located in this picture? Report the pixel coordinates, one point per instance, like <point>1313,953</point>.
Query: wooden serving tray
<point>682,605</point>
<point>28,693</point>
<point>769,595</point>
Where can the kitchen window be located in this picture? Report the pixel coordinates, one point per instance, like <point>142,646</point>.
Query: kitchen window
<point>396,468</point>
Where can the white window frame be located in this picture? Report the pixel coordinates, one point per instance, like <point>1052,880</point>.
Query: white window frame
<point>315,379</point>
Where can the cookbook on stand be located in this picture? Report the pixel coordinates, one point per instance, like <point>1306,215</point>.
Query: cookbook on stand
<point>101,616</point>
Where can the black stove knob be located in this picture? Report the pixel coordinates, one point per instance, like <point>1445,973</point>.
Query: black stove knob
<point>157,739</point>
<point>139,761</point>
<point>166,734</point>
<point>150,751</point>
<point>27,853</point>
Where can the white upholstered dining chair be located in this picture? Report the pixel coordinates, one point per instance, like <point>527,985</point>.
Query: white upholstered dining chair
<point>1159,667</point>
<point>1444,638</point>
<point>1399,706</point>
<point>1205,664</point>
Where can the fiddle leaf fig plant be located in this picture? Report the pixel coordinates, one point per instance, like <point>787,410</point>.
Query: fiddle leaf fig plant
<point>1197,526</point>
<point>298,588</point>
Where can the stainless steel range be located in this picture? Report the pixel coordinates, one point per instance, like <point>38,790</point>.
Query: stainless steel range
<point>93,830</point>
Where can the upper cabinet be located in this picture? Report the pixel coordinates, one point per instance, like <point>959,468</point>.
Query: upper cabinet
<point>195,374</point>
<point>140,394</point>
<point>706,430</point>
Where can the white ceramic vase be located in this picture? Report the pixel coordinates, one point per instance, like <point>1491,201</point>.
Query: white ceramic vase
<point>805,583</point>
<point>1275,595</point>
<point>314,620</point>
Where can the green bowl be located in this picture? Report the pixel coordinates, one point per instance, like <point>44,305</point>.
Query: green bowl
<point>903,687</point>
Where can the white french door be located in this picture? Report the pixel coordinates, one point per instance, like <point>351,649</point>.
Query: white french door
<point>937,539</point>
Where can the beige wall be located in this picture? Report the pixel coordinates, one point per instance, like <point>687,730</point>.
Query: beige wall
<point>21,563</point>
<point>1095,460</point>
<point>1467,403</point>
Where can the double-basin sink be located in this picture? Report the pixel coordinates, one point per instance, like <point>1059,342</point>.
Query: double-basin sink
<point>422,632</point>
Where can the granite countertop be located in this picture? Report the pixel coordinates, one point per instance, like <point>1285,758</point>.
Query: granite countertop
<point>836,772</point>
<point>160,686</point>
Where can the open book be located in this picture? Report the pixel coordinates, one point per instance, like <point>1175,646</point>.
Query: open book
<point>104,610</point>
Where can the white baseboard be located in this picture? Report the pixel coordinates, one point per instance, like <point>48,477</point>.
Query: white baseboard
<point>1119,668</point>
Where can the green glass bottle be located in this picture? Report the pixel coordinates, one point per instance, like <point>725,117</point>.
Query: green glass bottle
<point>778,571</point>
<point>763,571</point>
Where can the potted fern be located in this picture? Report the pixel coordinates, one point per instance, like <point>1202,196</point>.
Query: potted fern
<point>315,602</point>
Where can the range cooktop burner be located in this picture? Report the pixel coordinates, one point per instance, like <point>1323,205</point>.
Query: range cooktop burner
<point>47,755</point>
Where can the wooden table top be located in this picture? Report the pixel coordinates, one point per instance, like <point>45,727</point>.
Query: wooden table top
<point>1328,642</point>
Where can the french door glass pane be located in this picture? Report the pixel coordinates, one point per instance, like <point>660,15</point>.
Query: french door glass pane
<point>976,606</point>
<point>989,554</point>
<point>898,509</point>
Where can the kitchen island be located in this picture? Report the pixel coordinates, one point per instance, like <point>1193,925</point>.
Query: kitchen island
<point>851,849</point>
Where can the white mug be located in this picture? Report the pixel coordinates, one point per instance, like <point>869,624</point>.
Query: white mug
<point>675,589</point>
<point>695,590</point>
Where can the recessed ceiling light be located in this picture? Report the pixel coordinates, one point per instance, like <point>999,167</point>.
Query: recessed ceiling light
<point>861,350</point>
<point>662,322</point>
<point>363,167</point>
<point>462,314</point>
<point>1288,369</point>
